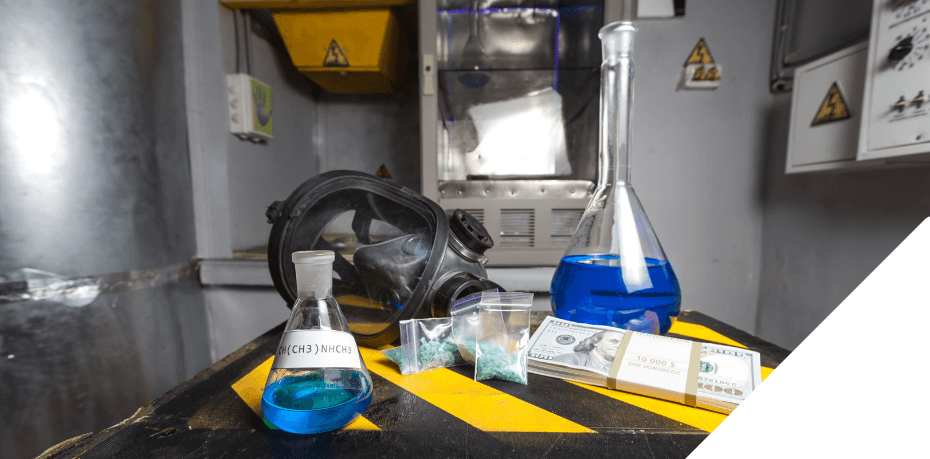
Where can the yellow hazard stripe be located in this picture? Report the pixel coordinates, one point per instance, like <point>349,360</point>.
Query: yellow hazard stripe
<point>482,406</point>
<point>695,417</point>
<point>766,371</point>
<point>701,332</point>
<point>250,387</point>
<point>358,301</point>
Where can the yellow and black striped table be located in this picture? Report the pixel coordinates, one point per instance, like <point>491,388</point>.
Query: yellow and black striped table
<point>436,414</point>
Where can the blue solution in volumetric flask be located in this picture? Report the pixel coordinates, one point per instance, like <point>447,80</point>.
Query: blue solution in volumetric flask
<point>614,271</point>
<point>591,289</point>
<point>309,402</point>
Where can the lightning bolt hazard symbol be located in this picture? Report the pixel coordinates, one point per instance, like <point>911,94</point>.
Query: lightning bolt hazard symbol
<point>833,107</point>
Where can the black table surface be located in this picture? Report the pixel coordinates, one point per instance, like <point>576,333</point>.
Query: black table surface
<point>440,413</point>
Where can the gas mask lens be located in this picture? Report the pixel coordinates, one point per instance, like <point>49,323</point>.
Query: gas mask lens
<point>391,246</point>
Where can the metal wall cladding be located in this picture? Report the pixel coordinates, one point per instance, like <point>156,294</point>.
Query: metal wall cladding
<point>459,136</point>
<point>520,35</point>
<point>70,370</point>
<point>807,38</point>
<point>458,4</point>
<point>524,47</point>
<point>579,23</point>
<point>506,38</point>
<point>94,169</point>
<point>94,179</point>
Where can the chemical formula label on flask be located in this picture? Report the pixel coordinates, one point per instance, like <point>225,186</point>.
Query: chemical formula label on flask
<point>316,349</point>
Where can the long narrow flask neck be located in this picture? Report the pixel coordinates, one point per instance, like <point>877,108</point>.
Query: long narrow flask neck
<point>616,115</point>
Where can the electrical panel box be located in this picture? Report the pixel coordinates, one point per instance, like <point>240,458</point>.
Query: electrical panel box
<point>250,108</point>
<point>867,106</point>
<point>826,107</point>
<point>896,109</point>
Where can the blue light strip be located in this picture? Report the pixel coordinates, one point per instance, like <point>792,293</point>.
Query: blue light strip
<point>494,10</point>
<point>570,9</point>
<point>558,26</point>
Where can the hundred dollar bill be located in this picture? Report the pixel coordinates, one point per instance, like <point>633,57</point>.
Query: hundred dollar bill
<point>719,378</point>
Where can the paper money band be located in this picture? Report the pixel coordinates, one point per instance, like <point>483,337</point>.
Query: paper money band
<point>694,367</point>
<point>688,397</point>
<point>618,360</point>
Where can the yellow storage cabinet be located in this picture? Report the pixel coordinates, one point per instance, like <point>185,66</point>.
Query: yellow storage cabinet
<point>345,51</point>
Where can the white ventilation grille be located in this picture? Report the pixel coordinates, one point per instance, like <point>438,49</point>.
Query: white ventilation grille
<point>564,223</point>
<point>518,228</point>
<point>477,213</point>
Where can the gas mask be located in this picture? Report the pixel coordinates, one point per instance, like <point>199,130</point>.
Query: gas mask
<point>399,256</point>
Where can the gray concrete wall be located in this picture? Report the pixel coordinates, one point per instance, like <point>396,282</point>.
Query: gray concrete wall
<point>312,135</point>
<point>260,174</point>
<point>824,233</point>
<point>240,314</point>
<point>363,131</point>
<point>697,161</point>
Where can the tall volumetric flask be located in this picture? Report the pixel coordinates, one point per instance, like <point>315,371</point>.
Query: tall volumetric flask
<point>614,271</point>
<point>318,381</point>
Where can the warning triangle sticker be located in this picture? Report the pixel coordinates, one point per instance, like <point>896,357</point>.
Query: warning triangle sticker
<point>383,172</point>
<point>833,108</point>
<point>700,54</point>
<point>334,56</point>
<point>698,74</point>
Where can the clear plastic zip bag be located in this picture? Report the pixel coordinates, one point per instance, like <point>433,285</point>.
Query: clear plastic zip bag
<point>465,324</point>
<point>425,344</point>
<point>492,332</point>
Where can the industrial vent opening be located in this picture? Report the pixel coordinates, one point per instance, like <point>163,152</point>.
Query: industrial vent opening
<point>564,223</point>
<point>518,228</point>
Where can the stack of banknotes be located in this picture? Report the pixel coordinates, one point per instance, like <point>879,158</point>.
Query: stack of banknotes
<point>661,367</point>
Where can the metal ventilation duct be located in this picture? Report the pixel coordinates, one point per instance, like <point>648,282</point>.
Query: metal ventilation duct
<point>99,308</point>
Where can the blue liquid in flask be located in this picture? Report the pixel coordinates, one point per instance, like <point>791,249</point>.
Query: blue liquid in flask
<point>308,403</point>
<point>590,289</point>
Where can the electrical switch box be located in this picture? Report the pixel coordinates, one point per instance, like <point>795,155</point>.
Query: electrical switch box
<point>826,106</point>
<point>896,112</point>
<point>250,110</point>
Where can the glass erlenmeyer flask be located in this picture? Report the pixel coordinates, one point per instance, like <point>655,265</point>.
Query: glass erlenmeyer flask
<point>318,381</point>
<point>614,271</point>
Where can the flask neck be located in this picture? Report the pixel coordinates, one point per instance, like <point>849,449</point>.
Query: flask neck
<point>616,105</point>
<point>314,281</point>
